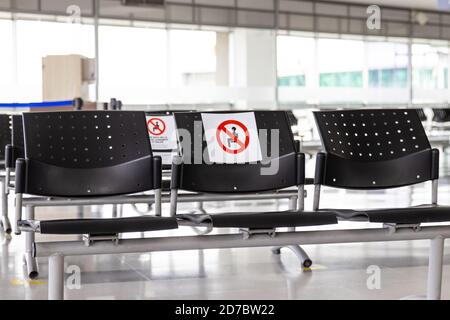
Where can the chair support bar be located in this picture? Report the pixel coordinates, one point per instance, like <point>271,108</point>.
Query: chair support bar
<point>222,241</point>
<point>204,197</point>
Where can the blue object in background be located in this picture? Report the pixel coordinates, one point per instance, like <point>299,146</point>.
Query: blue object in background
<point>65,103</point>
<point>443,4</point>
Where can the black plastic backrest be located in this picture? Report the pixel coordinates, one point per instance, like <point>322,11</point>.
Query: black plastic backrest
<point>422,115</point>
<point>441,115</point>
<point>17,136</point>
<point>239,178</point>
<point>5,134</point>
<point>87,153</point>
<point>373,149</point>
<point>292,118</point>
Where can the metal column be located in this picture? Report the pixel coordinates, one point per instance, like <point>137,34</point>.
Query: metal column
<point>56,277</point>
<point>29,259</point>
<point>435,268</point>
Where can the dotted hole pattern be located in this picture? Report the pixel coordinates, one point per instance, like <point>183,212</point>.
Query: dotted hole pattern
<point>86,139</point>
<point>372,135</point>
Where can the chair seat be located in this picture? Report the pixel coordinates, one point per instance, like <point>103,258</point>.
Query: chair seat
<point>266,220</point>
<point>409,215</point>
<point>107,226</point>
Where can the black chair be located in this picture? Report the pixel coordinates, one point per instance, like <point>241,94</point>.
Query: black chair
<point>15,149</point>
<point>5,138</point>
<point>5,135</point>
<point>190,174</point>
<point>292,118</point>
<point>378,149</point>
<point>422,115</point>
<point>441,115</point>
<point>86,154</point>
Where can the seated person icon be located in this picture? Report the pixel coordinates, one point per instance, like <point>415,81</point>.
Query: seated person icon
<point>235,137</point>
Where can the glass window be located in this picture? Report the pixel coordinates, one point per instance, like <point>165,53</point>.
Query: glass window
<point>37,39</point>
<point>295,61</point>
<point>192,58</point>
<point>340,63</point>
<point>133,64</point>
<point>387,64</point>
<point>342,79</point>
<point>430,64</point>
<point>6,62</point>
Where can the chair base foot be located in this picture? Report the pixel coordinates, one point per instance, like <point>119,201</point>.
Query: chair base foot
<point>6,225</point>
<point>305,261</point>
<point>31,269</point>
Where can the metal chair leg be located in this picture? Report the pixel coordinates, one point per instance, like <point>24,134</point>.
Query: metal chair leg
<point>5,223</point>
<point>301,254</point>
<point>56,277</point>
<point>435,267</point>
<point>29,258</point>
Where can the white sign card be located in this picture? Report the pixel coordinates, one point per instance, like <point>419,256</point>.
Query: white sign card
<point>232,137</point>
<point>162,132</point>
<point>166,157</point>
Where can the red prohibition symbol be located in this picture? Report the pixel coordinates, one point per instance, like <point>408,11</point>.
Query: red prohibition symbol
<point>156,126</point>
<point>231,137</point>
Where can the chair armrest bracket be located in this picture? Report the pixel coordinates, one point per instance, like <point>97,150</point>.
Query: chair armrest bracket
<point>393,227</point>
<point>89,239</point>
<point>29,226</point>
<point>247,233</point>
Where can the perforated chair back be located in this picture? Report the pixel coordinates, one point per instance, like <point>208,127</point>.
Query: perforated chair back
<point>87,153</point>
<point>292,118</point>
<point>422,115</point>
<point>441,115</point>
<point>5,134</point>
<point>373,149</point>
<point>17,136</point>
<point>198,175</point>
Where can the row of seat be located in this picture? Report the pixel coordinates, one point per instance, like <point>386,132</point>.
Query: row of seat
<point>84,156</point>
<point>12,147</point>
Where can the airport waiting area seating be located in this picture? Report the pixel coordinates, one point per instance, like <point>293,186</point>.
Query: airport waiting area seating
<point>193,173</point>
<point>12,146</point>
<point>378,149</point>
<point>107,156</point>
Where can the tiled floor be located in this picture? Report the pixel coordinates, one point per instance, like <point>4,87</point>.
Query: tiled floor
<point>340,271</point>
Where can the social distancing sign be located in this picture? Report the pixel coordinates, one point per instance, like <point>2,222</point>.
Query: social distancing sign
<point>232,137</point>
<point>162,132</point>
